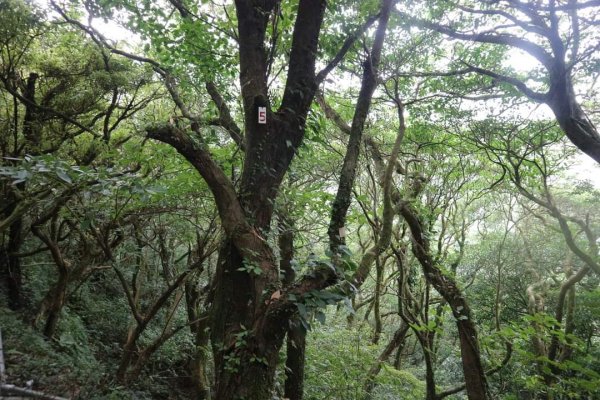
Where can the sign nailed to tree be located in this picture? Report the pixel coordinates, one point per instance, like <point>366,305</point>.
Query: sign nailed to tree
<point>262,115</point>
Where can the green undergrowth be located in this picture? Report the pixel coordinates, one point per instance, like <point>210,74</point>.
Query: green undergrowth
<point>338,357</point>
<point>77,365</point>
<point>60,367</point>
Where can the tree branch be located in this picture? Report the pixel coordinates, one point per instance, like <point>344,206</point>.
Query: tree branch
<point>521,86</point>
<point>501,39</point>
<point>363,104</point>
<point>346,46</point>
<point>230,210</point>
<point>301,81</point>
<point>225,120</point>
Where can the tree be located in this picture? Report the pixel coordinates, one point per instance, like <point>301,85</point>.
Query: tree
<point>254,95</point>
<point>248,321</point>
<point>61,109</point>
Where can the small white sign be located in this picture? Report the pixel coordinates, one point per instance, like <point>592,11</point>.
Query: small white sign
<point>262,115</point>
<point>343,231</point>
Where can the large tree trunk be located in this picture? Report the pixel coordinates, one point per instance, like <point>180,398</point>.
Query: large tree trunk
<point>10,264</point>
<point>377,302</point>
<point>54,303</point>
<point>248,330</point>
<point>246,341</point>
<point>245,357</point>
<point>296,333</point>
<point>294,363</point>
<point>199,329</point>
<point>232,314</point>
<point>430,393</point>
<point>569,114</point>
<point>248,319</point>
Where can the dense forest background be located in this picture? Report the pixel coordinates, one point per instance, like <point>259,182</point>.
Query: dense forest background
<point>268,199</point>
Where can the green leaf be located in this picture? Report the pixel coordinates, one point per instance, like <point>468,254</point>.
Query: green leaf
<point>320,316</point>
<point>301,310</point>
<point>64,176</point>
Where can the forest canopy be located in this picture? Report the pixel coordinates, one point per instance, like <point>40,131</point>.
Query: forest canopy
<point>308,199</point>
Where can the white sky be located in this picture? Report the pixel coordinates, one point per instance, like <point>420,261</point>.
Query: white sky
<point>113,31</point>
<point>585,169</point>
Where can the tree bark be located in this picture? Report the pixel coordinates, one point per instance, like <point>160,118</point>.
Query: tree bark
<point>475,380</point>
<point>296,333</point>
<point>57,297</point>
<point>577,126</point>
<point>377,301</point>
<point>10,264</point>
<point>199,329</point>
<point>294,364</point>
<point>54,300</point>
<point>363,104</point>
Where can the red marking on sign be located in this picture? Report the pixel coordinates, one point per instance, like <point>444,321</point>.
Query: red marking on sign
<point>262,115</point>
